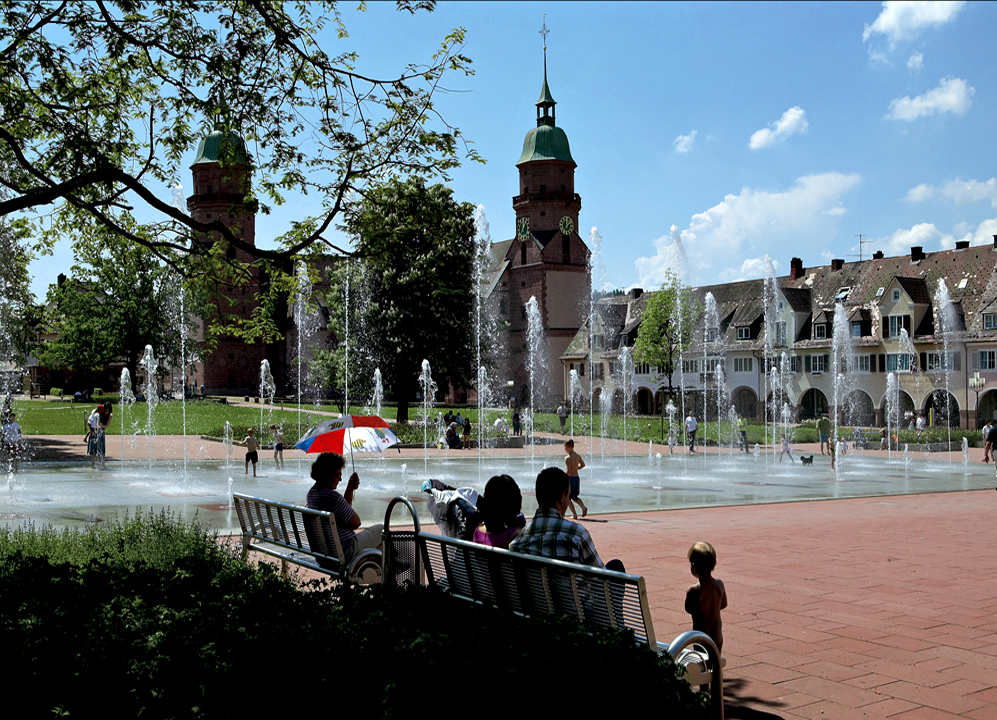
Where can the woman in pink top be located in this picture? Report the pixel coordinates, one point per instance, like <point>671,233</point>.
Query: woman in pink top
<point>501,510</point>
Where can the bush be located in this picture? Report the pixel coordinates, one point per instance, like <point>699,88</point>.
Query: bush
<point>54,391</point>
<point>155,618</point>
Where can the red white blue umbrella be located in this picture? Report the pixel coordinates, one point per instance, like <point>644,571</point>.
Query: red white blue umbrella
<point>349,433</point>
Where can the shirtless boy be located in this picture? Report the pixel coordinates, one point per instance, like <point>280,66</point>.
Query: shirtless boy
<point>707,598</point>
<point>572,464</point>
<point>251,451</point>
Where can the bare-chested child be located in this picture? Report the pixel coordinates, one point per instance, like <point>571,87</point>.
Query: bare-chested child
<point>278,446</point>
<point>707,598</point>
<point>251,451</point>
<point>573,463</point>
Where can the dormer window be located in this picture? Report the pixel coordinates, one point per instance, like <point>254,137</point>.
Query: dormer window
<point>820,331</point>
<point>744,333</point>
<point>990,321</point>
<point>842,294</point>
<point>856,329</point>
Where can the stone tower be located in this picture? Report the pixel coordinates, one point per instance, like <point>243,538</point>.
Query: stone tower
<point>546,259</point>
<point>222,185</point>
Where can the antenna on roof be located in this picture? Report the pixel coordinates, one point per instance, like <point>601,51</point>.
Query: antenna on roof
<point>861,243</point>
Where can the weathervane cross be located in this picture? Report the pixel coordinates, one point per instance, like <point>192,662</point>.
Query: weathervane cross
<point>544,31</point>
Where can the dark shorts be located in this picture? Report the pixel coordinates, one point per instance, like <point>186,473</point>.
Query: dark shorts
<point>575,484</point>
<point>824,438</point>
<point>252,457</point>
<point>279,447</point>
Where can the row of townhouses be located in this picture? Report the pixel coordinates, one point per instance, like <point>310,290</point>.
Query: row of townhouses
<point>896,323</point>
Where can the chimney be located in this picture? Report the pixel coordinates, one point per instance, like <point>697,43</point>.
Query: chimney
<point>961,244</point>
<point>878,255</point>
<point>995,241</point>
<point>837,264</point>
<point>61,279</point>
<point>916,253</point>
<point>637,292</point>
<point>796,270</point>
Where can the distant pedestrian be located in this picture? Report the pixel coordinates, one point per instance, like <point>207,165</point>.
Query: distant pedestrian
<point>517,425</point>
<point>204,391</point>
<point>252,446</point>
<point>467,433</point>
<point>884,440</point>
<point>742,434</point>
<point>562,415</point>
<point>95,437</point>
<point>690,431</point>
<point>824,432</point>
<point>12,440</point>
<point>991,446</point>
<point>278,446</point>
<point>573,463</point>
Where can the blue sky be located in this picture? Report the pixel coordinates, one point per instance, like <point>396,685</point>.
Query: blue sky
<point>749,130</point>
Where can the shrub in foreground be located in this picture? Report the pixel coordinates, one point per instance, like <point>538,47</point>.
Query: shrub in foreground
<point>153,618</point>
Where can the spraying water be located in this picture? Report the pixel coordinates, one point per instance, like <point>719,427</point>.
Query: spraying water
<point>574,391</point>
<point>597,278</point>
<point>150,364</point>
<point>946,324</point>
<point>125,399</point>
<point>378,397</point>
<point>536,364</point>
<point>482,257</point>
<point>428,395</point>
<point>268,389</point>
<point>625,380</point>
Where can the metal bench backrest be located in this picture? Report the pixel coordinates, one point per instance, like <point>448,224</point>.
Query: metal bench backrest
<point>524,584</point>
<point>294,528</point>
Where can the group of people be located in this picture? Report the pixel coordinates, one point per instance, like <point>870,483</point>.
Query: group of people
<point>456,426</point>
<point>549,534</point>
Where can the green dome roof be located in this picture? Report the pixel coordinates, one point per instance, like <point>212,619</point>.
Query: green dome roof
<point>545,142</point>
<point>212,148</point>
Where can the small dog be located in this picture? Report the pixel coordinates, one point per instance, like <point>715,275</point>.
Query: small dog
<point>807,460</point>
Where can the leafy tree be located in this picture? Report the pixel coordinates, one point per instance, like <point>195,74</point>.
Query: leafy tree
<point>18,314</point>
<point>101,100</point>
<point>119,299</point>
<point>660,339</point>
<point>416,245</point>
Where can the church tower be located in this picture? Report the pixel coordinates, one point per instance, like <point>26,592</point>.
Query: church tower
<point>222,185</point>
<point>546,259</point>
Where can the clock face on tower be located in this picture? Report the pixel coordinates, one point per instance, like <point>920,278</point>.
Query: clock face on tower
<point>566,226</point>
<point>523,228</point>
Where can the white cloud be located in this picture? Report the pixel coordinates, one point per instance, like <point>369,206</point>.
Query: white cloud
<point>751,268</point>
<point>951,95</point>
<point>915,62</point>
<point>724,241</point>
<point>958,191</point>
<point>904,21</point>
<point>684,143</point>
<point>792,122</point>
<point>924,235</point>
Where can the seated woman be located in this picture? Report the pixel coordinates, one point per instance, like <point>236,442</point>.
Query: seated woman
<point>501,510</point>
<point>453,439</point>
<point>327,472</point>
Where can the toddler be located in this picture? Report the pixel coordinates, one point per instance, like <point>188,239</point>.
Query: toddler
<point>707,598</point>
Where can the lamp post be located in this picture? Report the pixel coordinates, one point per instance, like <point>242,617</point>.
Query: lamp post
<point>976,383</point>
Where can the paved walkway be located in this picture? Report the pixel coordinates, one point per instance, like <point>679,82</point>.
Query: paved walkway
<point>862,608</point>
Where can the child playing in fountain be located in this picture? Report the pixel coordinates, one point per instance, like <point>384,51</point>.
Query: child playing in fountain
<point>785,449</point>
<point>707,598</point>
<point>251,451</point>
<point>278,446</point>
<point>573,463</point>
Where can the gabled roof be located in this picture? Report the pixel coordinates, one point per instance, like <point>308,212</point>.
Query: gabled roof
<point>798,298</point>
<point>916,289</point>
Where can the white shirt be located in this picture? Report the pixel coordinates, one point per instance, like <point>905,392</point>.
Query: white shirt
<point>94,420</point>
<point>690,423</point>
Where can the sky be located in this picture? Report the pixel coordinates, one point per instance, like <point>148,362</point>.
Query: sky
<point>753,133</point>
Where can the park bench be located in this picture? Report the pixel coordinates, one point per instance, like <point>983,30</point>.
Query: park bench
<point>301,536</point>
<point>528,585</point>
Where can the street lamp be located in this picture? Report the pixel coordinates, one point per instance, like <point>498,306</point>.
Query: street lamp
<point>977,383</point>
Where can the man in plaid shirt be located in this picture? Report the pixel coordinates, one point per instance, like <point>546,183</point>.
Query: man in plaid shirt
<point>549,534</point>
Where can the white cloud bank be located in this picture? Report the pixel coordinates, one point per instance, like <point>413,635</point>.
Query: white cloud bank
<point>792,122</point>
<point>952,95</point>
<point>905,21</point>
<point>684,143</point>
<point>724,243</point>
<point>958,191</point>
<point>929,237</point>
<point>915,62</point>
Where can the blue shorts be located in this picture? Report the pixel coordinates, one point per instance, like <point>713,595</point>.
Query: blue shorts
<point>824,438</point>
<point>574,484</point>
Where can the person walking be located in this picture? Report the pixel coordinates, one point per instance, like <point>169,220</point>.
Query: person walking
<point>690,431</point>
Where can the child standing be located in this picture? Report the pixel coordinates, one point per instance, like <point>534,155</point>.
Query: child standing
<point>251,447</point>
<point>278,446</point>
<point>573,463</point>
<point>785,449</point>
<point>707,598</point>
